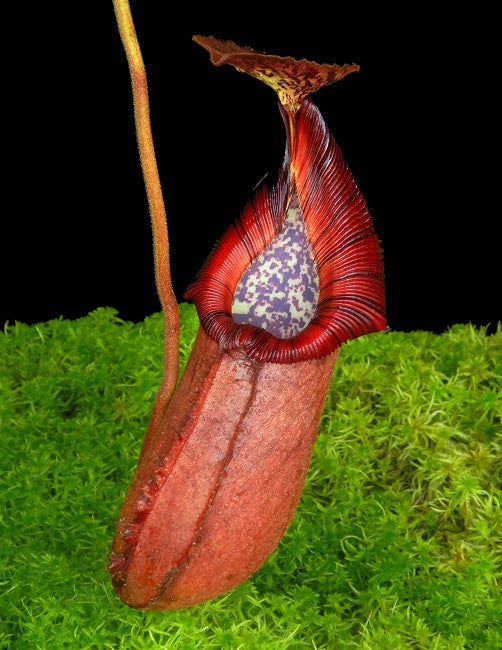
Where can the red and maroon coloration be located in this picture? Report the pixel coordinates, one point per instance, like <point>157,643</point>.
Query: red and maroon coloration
<point>216,488</point>
<point>218,481</point>
<point>343,241</point>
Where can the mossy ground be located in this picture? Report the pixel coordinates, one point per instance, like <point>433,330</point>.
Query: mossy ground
<point>396,542</point>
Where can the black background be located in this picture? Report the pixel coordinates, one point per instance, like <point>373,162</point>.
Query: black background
<point>417,125</point>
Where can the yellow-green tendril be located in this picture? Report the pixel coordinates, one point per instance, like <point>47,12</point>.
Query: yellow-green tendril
<point>157,209</point>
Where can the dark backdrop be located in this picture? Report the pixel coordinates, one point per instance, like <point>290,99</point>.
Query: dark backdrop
<point>417,126</point>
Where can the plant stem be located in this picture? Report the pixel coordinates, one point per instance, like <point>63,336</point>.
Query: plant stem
<point>157,209</point>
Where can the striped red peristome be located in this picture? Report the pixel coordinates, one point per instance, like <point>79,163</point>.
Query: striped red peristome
<point>341,234</point>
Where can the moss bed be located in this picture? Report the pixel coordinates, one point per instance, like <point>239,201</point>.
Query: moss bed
<point>396,543</point>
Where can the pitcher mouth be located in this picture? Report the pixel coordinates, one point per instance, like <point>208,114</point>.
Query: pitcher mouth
<point>300,271</point>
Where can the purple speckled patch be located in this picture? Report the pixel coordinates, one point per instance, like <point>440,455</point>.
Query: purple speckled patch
<point>279,290</point>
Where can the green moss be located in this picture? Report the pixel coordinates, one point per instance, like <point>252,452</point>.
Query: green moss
<point>396,542</point>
